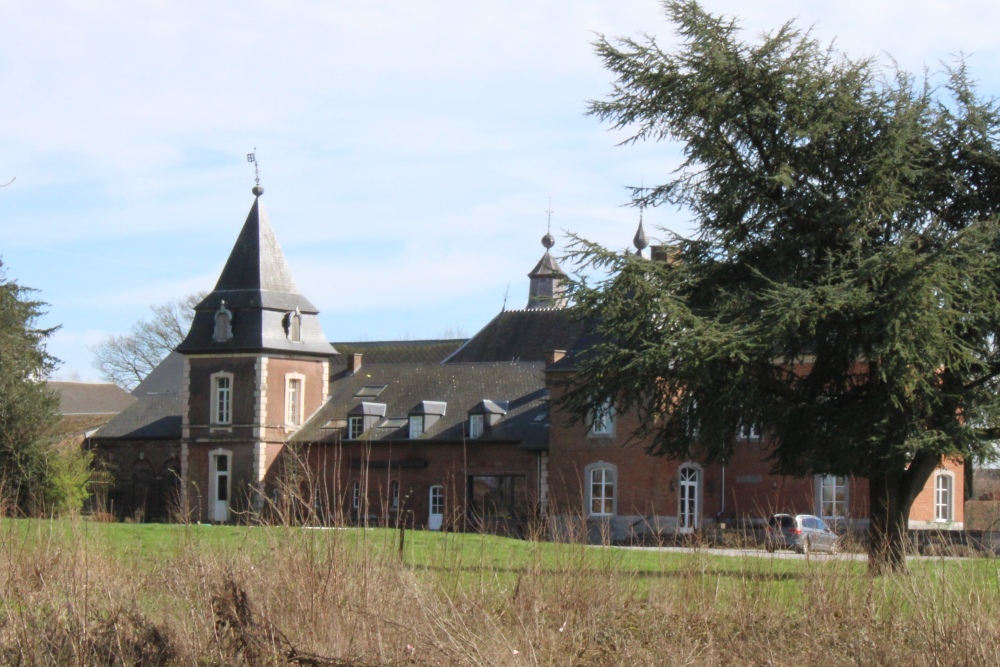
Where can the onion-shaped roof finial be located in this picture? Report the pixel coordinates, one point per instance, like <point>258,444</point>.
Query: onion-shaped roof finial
<point>640,241</point>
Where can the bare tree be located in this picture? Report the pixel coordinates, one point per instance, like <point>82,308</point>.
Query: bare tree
<point>127,359</point>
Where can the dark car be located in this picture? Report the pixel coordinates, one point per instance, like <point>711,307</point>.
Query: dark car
<point>801,533</point>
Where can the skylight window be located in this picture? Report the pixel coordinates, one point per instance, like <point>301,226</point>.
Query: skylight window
<point>394,422</point>
<point>370,390</point>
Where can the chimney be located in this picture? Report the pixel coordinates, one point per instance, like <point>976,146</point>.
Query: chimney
<point>663,253</point>
<point>552,356</point>
<point>354,362</point>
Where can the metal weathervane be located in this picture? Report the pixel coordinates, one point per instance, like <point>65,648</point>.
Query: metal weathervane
<point>252,157</point>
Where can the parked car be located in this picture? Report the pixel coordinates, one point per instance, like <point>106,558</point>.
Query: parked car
<point>801,533</point>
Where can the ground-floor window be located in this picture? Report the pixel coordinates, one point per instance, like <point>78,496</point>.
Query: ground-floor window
<point>943,495</point>
<point>832,496</point>
<point>601,482</point>
<point>498,496</point>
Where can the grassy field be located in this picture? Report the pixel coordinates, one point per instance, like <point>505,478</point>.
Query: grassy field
<point>75,592</point>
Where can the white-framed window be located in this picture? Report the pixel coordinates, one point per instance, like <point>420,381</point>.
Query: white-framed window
<point>689,481</point>
<point>294,390</point>
<point>416,426</point>
<point>437,499</point>
<point>356,495</point>
<point>832,495</point>
<point>355,426</point>
<point>603,422</point>
<point>601,479</point>
<point>944,495</point>
<point>222,398</point>
<point>394,495</point>
<point>749,432</point>
<point>476,425</point>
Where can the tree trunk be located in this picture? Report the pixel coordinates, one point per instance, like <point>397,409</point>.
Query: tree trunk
<point>892,488</point>
<point>887,526</point>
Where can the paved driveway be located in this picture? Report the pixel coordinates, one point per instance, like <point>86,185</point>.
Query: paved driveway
<point>761,553</point>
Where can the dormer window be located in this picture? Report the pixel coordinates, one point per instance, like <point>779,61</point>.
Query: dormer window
<point>294,326</point>
<point>424,415</point>
<point>485,415</point>
<point>416,426</point>
<point>363,417</point>
<point>476,425</point>
<point>355,427</point>
<point>223,324</point>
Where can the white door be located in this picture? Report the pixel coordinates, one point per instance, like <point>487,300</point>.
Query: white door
<point>687,519</point>
<point>436,515</point>
<point>220,497</point>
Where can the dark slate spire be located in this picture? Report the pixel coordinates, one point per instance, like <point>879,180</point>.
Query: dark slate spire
<point>547,288</point>
<point>257,298</point>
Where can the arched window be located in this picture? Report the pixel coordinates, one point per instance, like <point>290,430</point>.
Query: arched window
<point>223,324</point>
<point>688,497</point>
<point>602,489</point>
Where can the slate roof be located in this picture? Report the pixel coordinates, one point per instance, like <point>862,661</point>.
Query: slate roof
<point>399,351</point>
<point>522,335</point>
<point>156,415</point>
<point>257,287</point>
<point>90,398</point>
<point>461,386</point>
<point>547,267</point>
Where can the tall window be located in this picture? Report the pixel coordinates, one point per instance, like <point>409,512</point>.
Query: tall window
<point>943,494</point>
<point>416,426</point>
<point>604,420</point>
<point>602,491</point>
<point>833,496</point>
<point>394,495</point>
<point>355,427</point>
<point>222,398</point>
<point>293,400</point>
<point>475,426</point>
<point>295,327</point>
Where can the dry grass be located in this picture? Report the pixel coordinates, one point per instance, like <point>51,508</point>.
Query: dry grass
<point>82,593</point>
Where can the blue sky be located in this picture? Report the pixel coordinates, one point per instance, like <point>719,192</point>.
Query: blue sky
<point>408,149</point>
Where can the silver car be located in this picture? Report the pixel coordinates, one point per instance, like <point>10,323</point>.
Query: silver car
<point>801,533</point>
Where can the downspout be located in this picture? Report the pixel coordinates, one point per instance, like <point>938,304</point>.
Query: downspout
<point>722,504</point>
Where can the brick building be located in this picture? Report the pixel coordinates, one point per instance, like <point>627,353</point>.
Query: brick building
<point>258,412</point>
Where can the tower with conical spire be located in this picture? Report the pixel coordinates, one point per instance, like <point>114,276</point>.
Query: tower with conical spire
<point>547,287</point>
<point>256,365</point>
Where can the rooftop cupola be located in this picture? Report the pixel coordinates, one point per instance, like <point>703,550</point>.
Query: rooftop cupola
<point>547,288</point>
<point>255,305</point>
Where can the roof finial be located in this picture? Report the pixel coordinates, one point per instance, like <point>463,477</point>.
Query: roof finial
<point>548,240</point>
<point>640,241</point>
<point>252,157</point>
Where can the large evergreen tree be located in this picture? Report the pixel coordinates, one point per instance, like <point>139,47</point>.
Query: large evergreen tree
<point>28,410</point>
<point>842,290</point>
